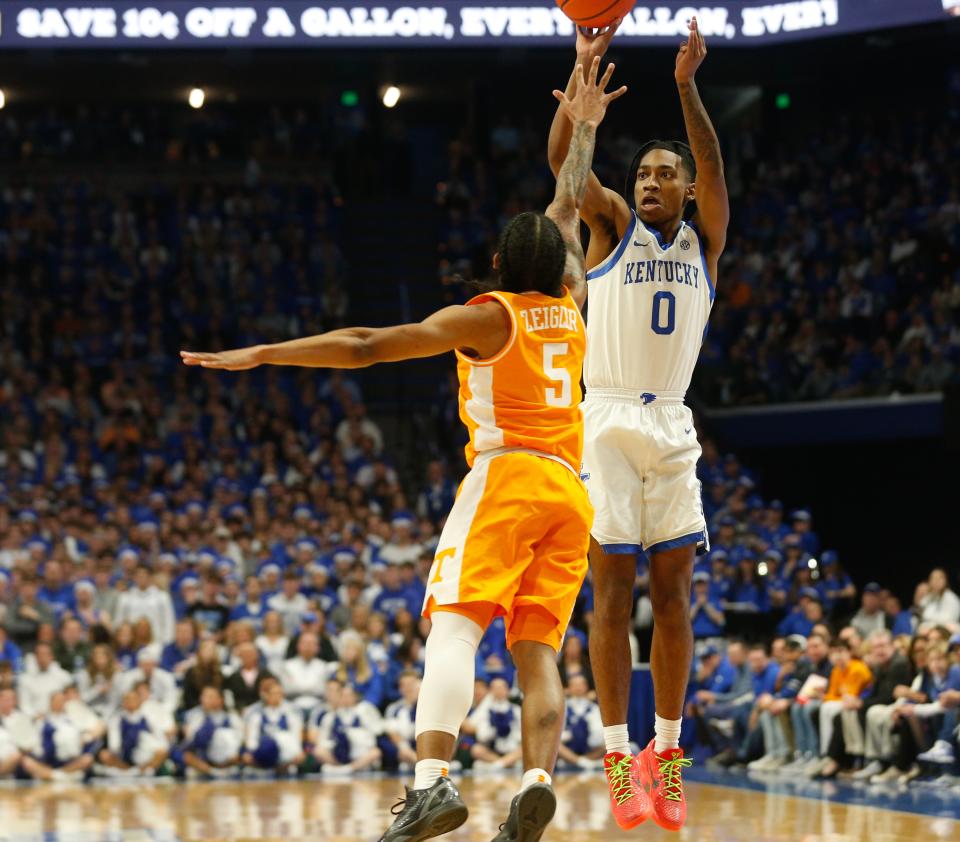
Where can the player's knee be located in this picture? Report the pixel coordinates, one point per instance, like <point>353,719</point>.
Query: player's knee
<point>670,605</point>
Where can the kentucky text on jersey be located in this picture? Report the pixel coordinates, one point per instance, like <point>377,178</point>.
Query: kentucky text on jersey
<point>547,318</point>
<point>662,271</point>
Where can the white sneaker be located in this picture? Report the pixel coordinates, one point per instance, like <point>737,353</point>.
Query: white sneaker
<point>815,766</point>
<point>763,764</point>
<point>886,777</point>
<point>874,767</point>
<point>942,752</point>
<point>911,774</point>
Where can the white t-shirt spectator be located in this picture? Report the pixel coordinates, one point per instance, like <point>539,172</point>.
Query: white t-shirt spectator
<point>303,681</point>
<point>291,610</point>
<point>36,687</point>
<point>942,610</point>
<point>151,603</point>
<point>274,651</point>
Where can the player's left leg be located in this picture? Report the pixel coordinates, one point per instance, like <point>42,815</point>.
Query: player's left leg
<point>671,572</point>
<point>433,805</point>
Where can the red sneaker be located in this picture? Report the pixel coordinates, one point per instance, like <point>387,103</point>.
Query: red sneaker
<point>629,801</point>
<point>663,773</point>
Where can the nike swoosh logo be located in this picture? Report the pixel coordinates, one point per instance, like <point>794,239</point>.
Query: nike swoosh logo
<point>641,245</point>
<point>688,430</point>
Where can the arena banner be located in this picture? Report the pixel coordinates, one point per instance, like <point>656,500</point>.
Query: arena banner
<point>180,23</point>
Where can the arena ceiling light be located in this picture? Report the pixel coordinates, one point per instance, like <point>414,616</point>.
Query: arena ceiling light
<point>197,97</point>
<point>3,98</point>
<point>391,96</point>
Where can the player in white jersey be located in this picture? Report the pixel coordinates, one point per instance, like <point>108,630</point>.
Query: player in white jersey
<point>649,297</point>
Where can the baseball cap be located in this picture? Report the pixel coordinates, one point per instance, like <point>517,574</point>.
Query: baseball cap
<point>810,593</point>
<point>797,641</point>
<point>773,555</point>
<point>954,641</point>
<point>828,558</point>
<point>709,651</point>
<point>702,576</point>
<point>800,514</point>
<point>872,587</point>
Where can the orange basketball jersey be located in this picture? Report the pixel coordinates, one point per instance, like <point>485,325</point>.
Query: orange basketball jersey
<point>528,395</point>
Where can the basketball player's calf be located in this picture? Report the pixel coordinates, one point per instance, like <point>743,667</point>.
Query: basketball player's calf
<point>614,576</point>
<point>670,660</point>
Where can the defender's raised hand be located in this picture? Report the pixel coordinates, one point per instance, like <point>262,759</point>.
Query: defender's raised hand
<point>691,54</point>
<point>589,100</point>
<point>239,360</point>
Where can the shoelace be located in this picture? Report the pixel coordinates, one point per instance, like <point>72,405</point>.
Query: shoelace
<point>620,775</point>
<point>398,808</point>
<point>670,783</point>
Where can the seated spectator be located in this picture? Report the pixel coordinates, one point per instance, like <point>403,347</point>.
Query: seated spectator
<point>807,614</point>
<point>145,600</point>
<point>10,652</point>
<point>290,604</point>
<point>847,740</point>
<point>71,649</point>
<point>244,683</point>
<point>941,605</point>
<point>211,612</point>
<point>810,683</point>
<point>252,607</point>
<point>916,718</point>
<point>273,642</point>
<point>835,586</point>
<point>303,676</point>
<point>19,738</point>
<point>347,736</point>
<point>729,719</point>
<point>26,614</point>
<point>399,723</point>
<point>205,672</point>
<point>496,726</point>
<point>178,655</point>
<point>161,684</point>
<point>314,622</point>
<point>99,683</point>
<point>273,730</point>
<point>774,708</point>
<point>581,743</point>
<point>354,669</point>
<point>394,595</point>
<point>575,660</point>
<point>212,737</point>
<point>124,647</point>
<point>870,617</point>
<point>135,746</point>
<point>67,742</point>
<point>706,614</point>
<point>36,686</point>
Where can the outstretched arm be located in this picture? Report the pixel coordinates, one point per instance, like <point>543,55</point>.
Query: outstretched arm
<point>584,106</point>
<point>713,206</point>
<point>481,329</point>
<point>605,211</point>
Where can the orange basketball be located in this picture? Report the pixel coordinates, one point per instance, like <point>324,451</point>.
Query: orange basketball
<point>595,14</point>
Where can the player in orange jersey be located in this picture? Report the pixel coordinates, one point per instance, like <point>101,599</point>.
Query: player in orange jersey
<point>515,543</point>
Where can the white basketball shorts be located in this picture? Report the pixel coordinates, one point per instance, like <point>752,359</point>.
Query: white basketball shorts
<point>640,469</point>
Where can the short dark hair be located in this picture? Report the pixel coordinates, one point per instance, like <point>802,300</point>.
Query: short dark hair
<point>532,255</point>
<point>678,147</point>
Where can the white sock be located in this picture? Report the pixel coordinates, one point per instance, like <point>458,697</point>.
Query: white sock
<point>428,772</point>
<point>667,733</point>
<point>535,776</point>
<point>617,738</point>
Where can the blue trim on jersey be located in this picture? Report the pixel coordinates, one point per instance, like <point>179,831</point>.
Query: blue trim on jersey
<point>703,263</point>
<point>623,549</point>
<point>682,541</point>
<point>615,257</point>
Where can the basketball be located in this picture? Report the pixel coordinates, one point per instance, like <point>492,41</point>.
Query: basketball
<point>595,14</point>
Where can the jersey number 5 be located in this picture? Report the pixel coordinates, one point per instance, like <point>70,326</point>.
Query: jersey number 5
<point>563,395</point>
<point>662,326</point>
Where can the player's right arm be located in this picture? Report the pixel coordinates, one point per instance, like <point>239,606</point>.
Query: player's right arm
<point>605,211</point>
<point>585,105</point>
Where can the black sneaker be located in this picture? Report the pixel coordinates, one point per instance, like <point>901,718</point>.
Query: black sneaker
<point>530,813</point>
<point>426,813</point>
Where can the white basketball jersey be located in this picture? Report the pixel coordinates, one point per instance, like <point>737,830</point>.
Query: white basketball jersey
<point>648,306</point>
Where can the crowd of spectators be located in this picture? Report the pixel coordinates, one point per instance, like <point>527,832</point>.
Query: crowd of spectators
<point>841,275</point>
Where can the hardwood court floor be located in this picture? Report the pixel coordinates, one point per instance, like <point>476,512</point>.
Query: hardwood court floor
<point>357,810</point>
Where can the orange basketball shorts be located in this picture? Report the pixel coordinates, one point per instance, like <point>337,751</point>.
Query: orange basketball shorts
<point>516,540</point>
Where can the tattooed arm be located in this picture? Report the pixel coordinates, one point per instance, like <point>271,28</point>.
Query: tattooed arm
<point>713,207</point>
<point>586,107</point>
